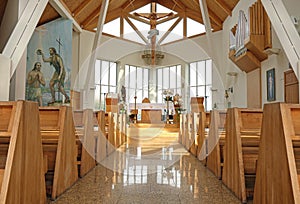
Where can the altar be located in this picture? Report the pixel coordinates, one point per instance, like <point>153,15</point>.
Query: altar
<point>152,112</point>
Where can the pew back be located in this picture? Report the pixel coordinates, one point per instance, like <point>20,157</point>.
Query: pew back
<point>277,178</point>
<point>241,150</point>
<point>59,147</point>
<point>215,142</point>
<point>22,180</point>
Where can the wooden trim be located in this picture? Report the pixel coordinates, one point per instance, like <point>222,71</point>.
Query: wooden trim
<point>185,27</point>
<point>121,26</point>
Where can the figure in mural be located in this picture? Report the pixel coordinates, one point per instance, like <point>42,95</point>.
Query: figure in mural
<point>35,79</point>
<point>271,87</point>
<point>59,74</point>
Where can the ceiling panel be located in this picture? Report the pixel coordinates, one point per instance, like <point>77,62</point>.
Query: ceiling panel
<point>86,12</point>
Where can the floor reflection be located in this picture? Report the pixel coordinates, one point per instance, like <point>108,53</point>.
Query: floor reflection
<point>152,170</point>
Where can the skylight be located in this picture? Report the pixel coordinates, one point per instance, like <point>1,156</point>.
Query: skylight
<point>112,27</point>
<point>144,9</point>
<point>193,27</point>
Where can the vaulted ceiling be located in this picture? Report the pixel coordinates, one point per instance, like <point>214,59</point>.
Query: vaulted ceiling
<point>86,12</point>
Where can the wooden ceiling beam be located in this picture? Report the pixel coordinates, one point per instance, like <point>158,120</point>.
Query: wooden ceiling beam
<point>136,30</point>
<point>185,27</point>
<point>179,4</point>
<point>64,11</point>
<point>169,31</point>
<point>138,18</point>
<point>135,5</point>
<point>224,7</point>
<point>214,17</point>
<point>94,15</point>
<point>81,7</point>
<point>172,6</point>
<point>167,19</point>
<point>127,4</point>
<point>196,16</point>
<point>196,2</point>
<point>113,14</point>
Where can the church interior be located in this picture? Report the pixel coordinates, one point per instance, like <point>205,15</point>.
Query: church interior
<point>149,101</point>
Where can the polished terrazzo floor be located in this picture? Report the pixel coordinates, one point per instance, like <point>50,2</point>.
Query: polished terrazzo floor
<point>135,174</point>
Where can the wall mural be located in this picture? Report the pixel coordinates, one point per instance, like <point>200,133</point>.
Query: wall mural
<point>49,58</point>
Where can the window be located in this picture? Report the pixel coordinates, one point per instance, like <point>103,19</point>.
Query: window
<point>201,81</point>
<point>136,83</point>
<point>105,81</point>
<point>168,78</point>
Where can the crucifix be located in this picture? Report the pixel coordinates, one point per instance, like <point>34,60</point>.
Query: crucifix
<point>153,17</point>
<point>59,44</point>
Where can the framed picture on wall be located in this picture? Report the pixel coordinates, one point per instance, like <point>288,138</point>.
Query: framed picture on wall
<point>271,85</point>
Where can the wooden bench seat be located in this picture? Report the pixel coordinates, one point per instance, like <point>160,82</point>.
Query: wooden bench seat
<point>278,167</point>
<point>243,129</point>
<point>59,148</point>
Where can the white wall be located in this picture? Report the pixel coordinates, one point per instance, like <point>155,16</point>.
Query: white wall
<point>181,52</point>
<point>293,7</point>
<point>280,63</point>
<point>239,98</point>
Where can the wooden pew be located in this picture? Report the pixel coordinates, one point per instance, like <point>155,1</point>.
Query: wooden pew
<point>122,128</point>
<point>21,176</point>
<point>110,132</point>
<point>116,130</point>
<point>202,120</point>
<point>187,133</point>
<point>59,146</point>
<point>278,167</point>
<point>181,136</point>
<point>85,139</point>
<point>193,132</point>
<point>241,151</point>
<point>191,135</point>
<point>101,152</point>
<point>216,141</point>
